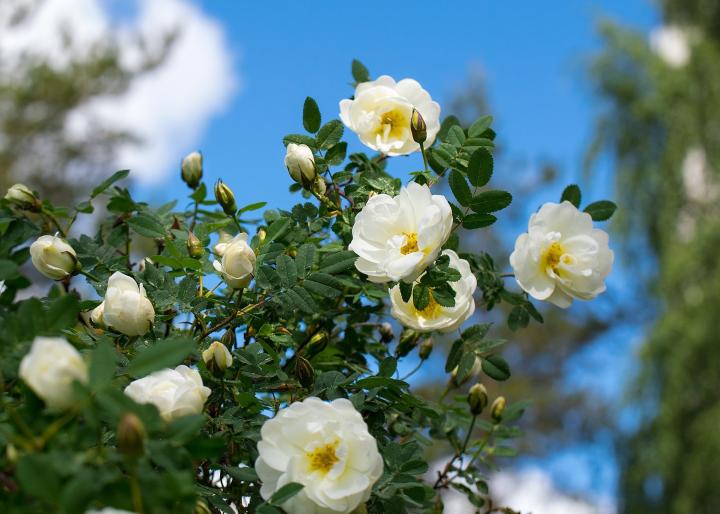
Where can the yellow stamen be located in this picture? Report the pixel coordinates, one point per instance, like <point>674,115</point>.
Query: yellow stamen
<point>411,244</point>
<point>323,458</point>
<point>553,256</point>
<point>432,309</point>
<point>392,124</point>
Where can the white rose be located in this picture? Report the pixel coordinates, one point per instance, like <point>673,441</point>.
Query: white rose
<point>324,446</point>
<point>217,357</point>
<point>222,243</point>
<point>435,316</point>
<point>397,238</point>
<point>671,44</point>
<point>53,257</point>
<point>50,368</point>
<point>562,256</point>
<point>380,114</point>
<point>126,307</point>
<point>300,163</point>
<point>238,262</point>
<point>21,195</point>
<point>175,392</point>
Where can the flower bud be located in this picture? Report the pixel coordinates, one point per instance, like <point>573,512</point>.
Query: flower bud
<point>192,169</point>
<point>497,409</point>
<point>261,234</point>
<point>11,453</point>
<point>477,398</point>
<point>304,372</point>
<point>237,265</point>
<point>386,332</point>
<point>221,245</point>
<point>229,338</point>
<point>225,197</point>
<point>201,508</point>
<point>318,342</point>
<point>426,348</point>
<point>23,197</point>
<point>194,246</point>
<point>408,340</point>
<point>131,435</point>
<point>418,128</point>
<point>126,307</point>
<point>300,162</point>
<point>217,358</point>
<point>53,257</point>
<point>319,187</point>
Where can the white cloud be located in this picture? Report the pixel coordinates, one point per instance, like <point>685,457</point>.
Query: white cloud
<point>169,107</point>
<point>528,490</point>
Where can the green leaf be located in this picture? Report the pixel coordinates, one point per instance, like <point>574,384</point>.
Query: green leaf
<point>300,139</point>
<point>200,193</point>
<point>405,290</point>
<point>478,220</point>
<point>480,167</point>
<point>480,126</point>
<point>336,154</point>
<point>572,194</point>
<point>387,367</point>
<point>62,313</point>
<point>496,367</point>
<point>465,367</point>
<point>38,477</point>
<point>460,188</point>
<point>311,115</point>
<point>330,134</point>
<point>252,207</point>
<point>359,72</point>
<point>454,356</point>
<point>304,259</point>
<point>421,297</point>
<point>102,365</point>
<point>147,226</point>
<point>455,135</point>
<point>162,354</point>
<point>278,229</point>
<point>285,493</point>
<point>339,261</point>
<point>518,318</point>
<point>8,269</point>
<point>490,201</point>
<point>323,284</point>
<point>118,175</point>
<point>602,210</point>
<point>446,125</point>
<point>301,299</point>
<point>287,270</point>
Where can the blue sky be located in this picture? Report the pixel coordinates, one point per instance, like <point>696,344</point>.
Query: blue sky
<point>531,53</point>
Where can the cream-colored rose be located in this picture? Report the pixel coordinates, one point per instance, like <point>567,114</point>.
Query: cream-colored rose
<point>562,256</point>
<point>381,111</point>
<point>53,257</point>
<point>219,248</point>
<point>50,368</point>
<point>436,316</point>
<point>672,44</point>
<point>217,357</point>
<point>238,262</point>
<point>175,392</point>
<point>300,162</point>
<point>396,238</point>
<point>324,446</point>
<point>126,307</point>
<point>21,195</point>
<point>109,510</point>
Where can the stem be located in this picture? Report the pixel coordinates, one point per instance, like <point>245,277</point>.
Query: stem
<point>425,162</point>
<point>55,222</point>
<point>442,480</point>
<point>135,490</point>
<point>89,275</point>
<point>230,319</point>
<point>415,370</point>
<point>194,216</point>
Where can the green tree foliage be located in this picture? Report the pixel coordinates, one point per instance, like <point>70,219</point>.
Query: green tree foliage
<point>38,96</point>
<point>660,126</point>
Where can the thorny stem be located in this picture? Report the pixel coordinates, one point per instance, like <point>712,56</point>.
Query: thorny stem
<point>55,222</point>
<point>230,319</point>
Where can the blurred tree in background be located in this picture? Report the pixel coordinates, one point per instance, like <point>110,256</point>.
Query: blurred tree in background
<point>38,97</point>
<point>661,127</point>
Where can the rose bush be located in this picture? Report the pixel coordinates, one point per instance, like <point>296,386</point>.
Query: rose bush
<point>264,376</point>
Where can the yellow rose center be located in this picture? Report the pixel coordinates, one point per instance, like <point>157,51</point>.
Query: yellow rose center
<point>432,309</point>
<point>392,124</point>
<point>411,245</point>
<point>553,255</point>
<point>324,457</point>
